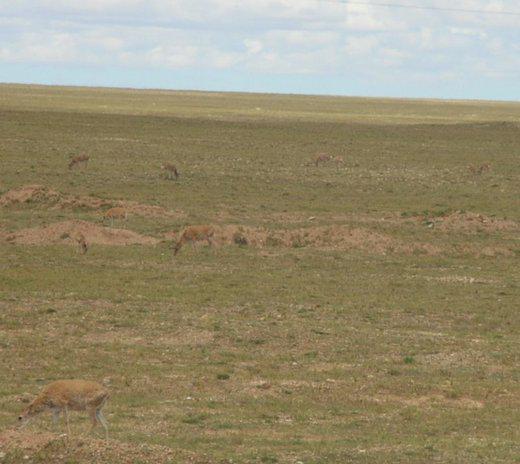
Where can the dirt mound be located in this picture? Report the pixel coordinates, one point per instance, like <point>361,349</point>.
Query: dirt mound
<point>468,222</point>
<point>30,194</point>
<point>18,446</point>
<point>39,194</point>
<point>67,231</point>
<point>427,401</point>
<point>334,237</point>
<point>328,237</point>
<point>85,202</point>
<point>14,439</point>
<point>484,252</point>
<point>147,210</point>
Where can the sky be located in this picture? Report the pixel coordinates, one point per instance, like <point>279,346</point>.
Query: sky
<point>334,47</point>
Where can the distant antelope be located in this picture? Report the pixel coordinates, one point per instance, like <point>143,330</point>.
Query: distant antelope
<point>77,160</point>
<point>195,234</point>
<point>76,395</point>
<point>115,213</point>
<point>322,158</point>
<point>339,160</point>
<point>82,242</point>
<point>171,171</point>
<point>486,167</point>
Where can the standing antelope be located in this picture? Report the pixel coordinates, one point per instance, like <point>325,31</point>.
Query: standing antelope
<point>76,395</point>
<point>82,242</point>
<point>322,158</point>
<point>77,160</point>
<point>115,213</point>
<point>171,171</point>
<point>195,234</point>
<point>339,160</point>
<point>486,167</point>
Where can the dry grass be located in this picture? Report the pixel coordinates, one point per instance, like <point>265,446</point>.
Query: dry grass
<point>365,312</point>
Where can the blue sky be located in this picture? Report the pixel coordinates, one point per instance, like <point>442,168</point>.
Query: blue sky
<point>287,46</point>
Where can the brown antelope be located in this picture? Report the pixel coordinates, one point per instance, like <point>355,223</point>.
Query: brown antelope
<point>115,213</point>
<point>195,234</point>
<point>77,160</point>
<point>82,242</point>
<point>478,170</point>
<point>486,167</point>
<point>171,171</point>
<point>64,395</point>
<point>339,160</point>
<point>322,158</point>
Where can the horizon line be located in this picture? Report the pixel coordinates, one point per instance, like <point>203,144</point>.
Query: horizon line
<point>289,94</point>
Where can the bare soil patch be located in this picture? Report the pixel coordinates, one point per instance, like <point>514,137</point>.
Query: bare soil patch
<point>428,401</point>
<point>335,237</point>
<point>328,237</point>
<point>457,279</point>
<point>66,231</point>
<point>456,221</point>
<point>185,337</point>
<point>24,440</point>
<point>29,194</point>
<point>490,251</point>
<point>458,359</point>
<point>150,211</point>
<point>16,445</point>
<point>468,222</point>
<point>48,197</point>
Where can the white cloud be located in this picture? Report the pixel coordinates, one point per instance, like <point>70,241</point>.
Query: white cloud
<point>266,36</point>
<point>253,46</point>
<point>172,56</point>
<point>361,45</point>
<point>301,38</point>
<point>33,47</point>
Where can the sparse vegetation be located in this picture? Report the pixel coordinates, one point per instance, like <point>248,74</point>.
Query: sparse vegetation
<point>345,331</point>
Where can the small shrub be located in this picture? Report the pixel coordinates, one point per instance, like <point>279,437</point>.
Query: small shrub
<point>409,360</point>
<point>452,394</point>
<point>268,458</point>
<point>194,418</point>
<point>222,376</point>
<point>272,241</point>
<point>297,242</point>
<point>239,239</point>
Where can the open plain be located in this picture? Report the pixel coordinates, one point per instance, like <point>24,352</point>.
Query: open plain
<point>357,312</point>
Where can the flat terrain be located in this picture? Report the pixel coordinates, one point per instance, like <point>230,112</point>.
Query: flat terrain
<point>360,312</point>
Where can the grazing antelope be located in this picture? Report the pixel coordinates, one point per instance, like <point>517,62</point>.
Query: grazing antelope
<point>82,242</point>
<point>195,234</point>
<point>115,213</point>
<point>322,158</point>
<point>77,160</point>
<point>486,167</point>
<point>338,160</point>
<point>171,171</point>
<point>76,395</point>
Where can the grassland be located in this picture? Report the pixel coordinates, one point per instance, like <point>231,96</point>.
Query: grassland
<point>319,345</point>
